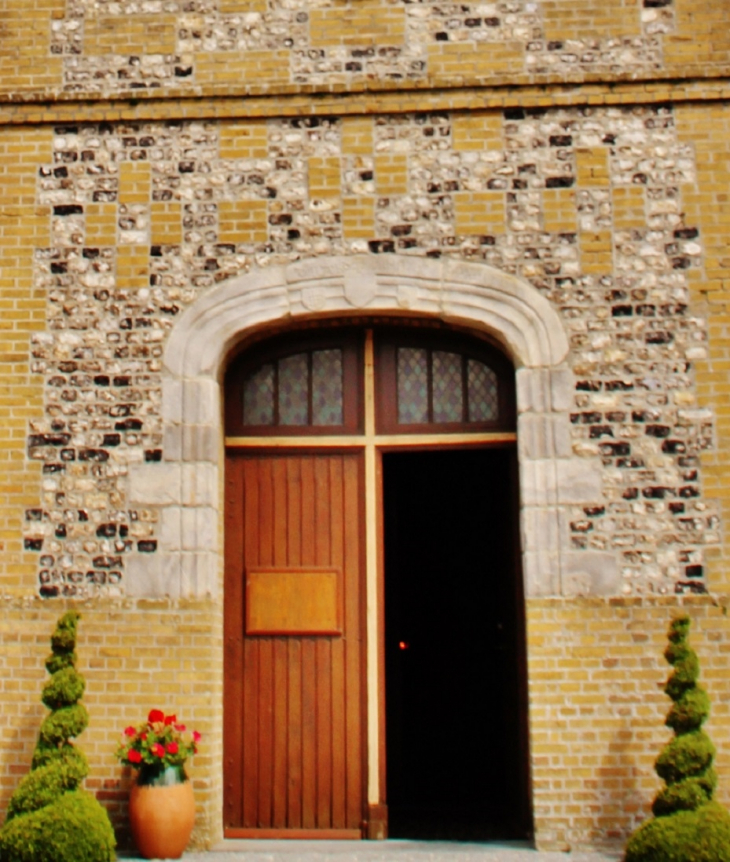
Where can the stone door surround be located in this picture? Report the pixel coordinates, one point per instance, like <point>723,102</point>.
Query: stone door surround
<point>186,484</point>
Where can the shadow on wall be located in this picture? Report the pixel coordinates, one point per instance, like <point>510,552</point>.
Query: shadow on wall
<point>618,794</point>
<point>19,738</point>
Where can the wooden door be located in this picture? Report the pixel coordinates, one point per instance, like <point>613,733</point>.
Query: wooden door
<point>293,628</point>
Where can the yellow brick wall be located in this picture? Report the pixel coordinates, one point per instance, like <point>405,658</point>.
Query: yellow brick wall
<point>591,166</point>
<point>597,710</point>
<point>130,34</point>
<point>165,223</point>
<point>358,217</point>
<point>324,177</point>
<point>559,211</point>
<point>479,212</point>
<point>101,224</point>
<point>596,706</point>
<point>596,250</point>
<point>229,7</point>
<point>242,221</point>
<point>24,225</point>
<point>240,70</point>
<point>26,63</point>
<point>132,266</point>
<point>135,657</point>
<point>134,183</point>
<point>242,140</point>
<point>629,208</point>
<point>456,60</point>
<point>701,35</point>
<point>478,130</point>
<point>346,23</point>
<point>357,136</point>
<point>705,128</point>
<point>568,19</point>
<point>391,174</point>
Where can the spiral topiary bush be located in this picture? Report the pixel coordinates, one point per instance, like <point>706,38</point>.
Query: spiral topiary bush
<point>687,825</point>
<point>50,817</point>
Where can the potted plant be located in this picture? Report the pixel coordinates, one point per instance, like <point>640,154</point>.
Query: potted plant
<point>161,803</point>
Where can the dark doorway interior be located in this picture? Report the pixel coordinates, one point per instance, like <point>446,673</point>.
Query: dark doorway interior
<point>455,666</point>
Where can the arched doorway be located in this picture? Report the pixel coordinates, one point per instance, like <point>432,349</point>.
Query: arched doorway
<point>378,450</point>
<point>188,485</point>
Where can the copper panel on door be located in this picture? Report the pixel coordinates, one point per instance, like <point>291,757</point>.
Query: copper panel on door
<point>293,704</point>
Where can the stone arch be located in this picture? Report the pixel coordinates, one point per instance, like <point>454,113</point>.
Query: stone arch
<point>185,486</point>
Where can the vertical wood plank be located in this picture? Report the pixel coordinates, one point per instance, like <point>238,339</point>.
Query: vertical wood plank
<point>323,732</point>
<point>337,717</point>
<point>250,669</point>
<point>249,765</point>
<point>265,732</point>
<point>294,512</point>
<point>294,735</point>
<point>309,735</point>
<point>338,694</point>
<point>264,535</point>
<point>353,647</point>
<point>322,537</point>
<point>280,647</point>
<point>308,522</point>
<point>265,556</point>
<point>233,643</point>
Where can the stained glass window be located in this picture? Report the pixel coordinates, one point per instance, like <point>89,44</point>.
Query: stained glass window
<point>447,387</point>
<point>327,387</point>
<point>441,387</point>
<point>482,392</point>
<point>258,397</point>
<point>294,390</point>
<point>301,389</point>
<point>412,385</point>
<point>302,384</point>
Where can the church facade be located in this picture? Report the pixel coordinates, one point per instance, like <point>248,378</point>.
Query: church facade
<point>364,385</point>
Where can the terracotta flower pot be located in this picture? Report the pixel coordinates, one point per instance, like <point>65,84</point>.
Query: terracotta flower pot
<point>162,812</point>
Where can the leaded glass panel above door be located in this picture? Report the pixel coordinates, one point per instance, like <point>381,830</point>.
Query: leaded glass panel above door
<point>426,380</point>
<point>435,382</point>
<point>295,386</point>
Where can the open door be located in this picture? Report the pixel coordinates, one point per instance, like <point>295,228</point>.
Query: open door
<point>455,680</point>
<point>293,732</point>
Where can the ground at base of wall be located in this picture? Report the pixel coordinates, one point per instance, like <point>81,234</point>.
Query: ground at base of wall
<point>383,851</point>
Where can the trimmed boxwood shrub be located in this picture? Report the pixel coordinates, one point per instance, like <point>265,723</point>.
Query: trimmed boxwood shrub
<point>688,826</point>
<point>50,817</point>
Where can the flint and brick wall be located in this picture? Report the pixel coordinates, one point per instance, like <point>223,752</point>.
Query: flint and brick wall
<point>213,46</point>
<point>587,205</point>
<point>132,185</point>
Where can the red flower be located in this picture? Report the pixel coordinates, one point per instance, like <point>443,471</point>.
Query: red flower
<point>180,728</point>
<point>155,716</point>
<point>157,749</point>
<point>133,756</point>
<point>170,719</point>
<point>196,736</point>
<point>143,736</point>
<point>171,748</point>
<point>130,731</point>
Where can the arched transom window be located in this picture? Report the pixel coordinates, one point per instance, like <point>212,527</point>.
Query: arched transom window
<point>424,381</point>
